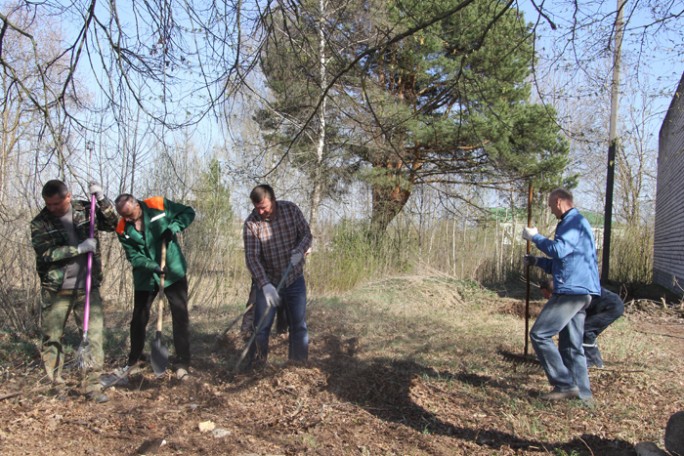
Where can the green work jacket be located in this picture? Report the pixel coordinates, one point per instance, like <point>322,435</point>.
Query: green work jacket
<point>143,250</point>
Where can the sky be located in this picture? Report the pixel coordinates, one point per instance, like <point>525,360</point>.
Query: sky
<point>653,60</point>
<point>652,63</point>
<point>659,61</point>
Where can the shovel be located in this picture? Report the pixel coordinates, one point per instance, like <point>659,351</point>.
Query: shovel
<point>262,319</point>
<point>159,358</point>
<point>84,355</point>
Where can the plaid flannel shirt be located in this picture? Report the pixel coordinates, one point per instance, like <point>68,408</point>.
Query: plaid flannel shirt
<point>269,244</point>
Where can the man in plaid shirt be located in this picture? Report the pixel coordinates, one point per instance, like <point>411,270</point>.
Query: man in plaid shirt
<point>276,235</point>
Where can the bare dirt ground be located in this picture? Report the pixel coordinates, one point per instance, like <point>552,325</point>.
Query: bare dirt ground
<point>407,366</point>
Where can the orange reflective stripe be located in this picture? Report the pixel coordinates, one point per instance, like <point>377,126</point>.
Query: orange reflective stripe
<point>121,227</point>
<point>156,202</point>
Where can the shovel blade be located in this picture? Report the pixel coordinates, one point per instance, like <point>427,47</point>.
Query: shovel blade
<point>159,358</point>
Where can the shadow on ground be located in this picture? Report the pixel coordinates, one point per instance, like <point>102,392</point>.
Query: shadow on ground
<point>382,387</point>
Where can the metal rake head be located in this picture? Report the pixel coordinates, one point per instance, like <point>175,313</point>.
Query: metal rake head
<point>85,359</point>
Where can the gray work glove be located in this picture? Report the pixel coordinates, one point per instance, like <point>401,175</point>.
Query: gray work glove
<point>271,294</point>
<point>530,260</point>
<point>96,189</point>
<point>89,245</point>
<point>296,258</point>
<point>158,270</point>
<point>529,232</point>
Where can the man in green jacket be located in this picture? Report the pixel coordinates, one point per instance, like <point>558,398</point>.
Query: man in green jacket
<point>143,227</point>
<point>60,235</point>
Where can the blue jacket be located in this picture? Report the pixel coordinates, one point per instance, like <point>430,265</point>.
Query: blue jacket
<point>572,253</point>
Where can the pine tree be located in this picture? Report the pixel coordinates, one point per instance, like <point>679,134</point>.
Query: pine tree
<point>447,104</point>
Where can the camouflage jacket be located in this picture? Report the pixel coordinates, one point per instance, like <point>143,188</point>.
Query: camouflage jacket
<point>51,242</point>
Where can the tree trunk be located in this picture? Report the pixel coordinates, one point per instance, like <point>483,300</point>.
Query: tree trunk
<point>388,201</point>
<point>316,188</point>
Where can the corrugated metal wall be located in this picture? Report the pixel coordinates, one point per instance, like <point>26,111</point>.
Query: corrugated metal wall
<point>668,265</point>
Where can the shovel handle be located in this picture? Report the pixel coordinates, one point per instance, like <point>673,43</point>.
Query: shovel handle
<point>261,320</point>
<point>284,277</point>
<point>527,270</point>
<point>89,270</point>
<point>160,302</point>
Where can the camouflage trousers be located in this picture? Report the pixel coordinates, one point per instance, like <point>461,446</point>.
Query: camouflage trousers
<point>56,310</point>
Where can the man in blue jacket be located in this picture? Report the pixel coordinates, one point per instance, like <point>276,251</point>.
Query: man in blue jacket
<point>573,264</point>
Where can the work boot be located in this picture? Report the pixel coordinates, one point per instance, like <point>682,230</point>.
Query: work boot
<point>560,395</point>
<point>182,374</point>
<point>93,390</point>
<point>124,371</point>
<point>97,396</point>
<point>59,391</point>
<point>55,376</point>
<point>119,376</point>
<point>593,355</point>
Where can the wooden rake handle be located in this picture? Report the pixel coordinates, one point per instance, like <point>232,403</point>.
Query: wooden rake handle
<point>160,302</point>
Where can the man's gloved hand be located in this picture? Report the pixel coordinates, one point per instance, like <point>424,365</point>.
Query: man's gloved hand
<point>96,189</point>
<point>158,270</point>
<point>89,245</point>
<point>296,258</point>
<point>167,235</point>
<point>530,260</point>
<point>271,294</point>
<point>529,232</point>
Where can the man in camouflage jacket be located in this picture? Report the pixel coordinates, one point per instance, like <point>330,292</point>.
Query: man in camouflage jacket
<point>60,237</point>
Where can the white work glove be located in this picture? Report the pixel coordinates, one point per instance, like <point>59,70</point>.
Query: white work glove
<point>296,258</point>
<point>89,245</point>
<point>272,297</point>
<point>529,232</point>
<point>530,260</point>
<point>96,190</point>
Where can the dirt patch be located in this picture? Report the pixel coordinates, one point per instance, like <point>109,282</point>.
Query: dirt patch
<point>516,307</point>
<point>399,376</point>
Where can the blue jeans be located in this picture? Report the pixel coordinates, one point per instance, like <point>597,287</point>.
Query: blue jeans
<point>565,365</point>
<point>293,298</point>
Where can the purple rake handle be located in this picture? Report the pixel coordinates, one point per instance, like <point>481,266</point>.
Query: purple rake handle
<point>89,270</point>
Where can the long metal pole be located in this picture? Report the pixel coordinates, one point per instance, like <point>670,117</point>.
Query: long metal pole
<point>527,269</point>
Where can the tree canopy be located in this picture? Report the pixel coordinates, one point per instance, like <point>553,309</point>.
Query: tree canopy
<point>448,105</point>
